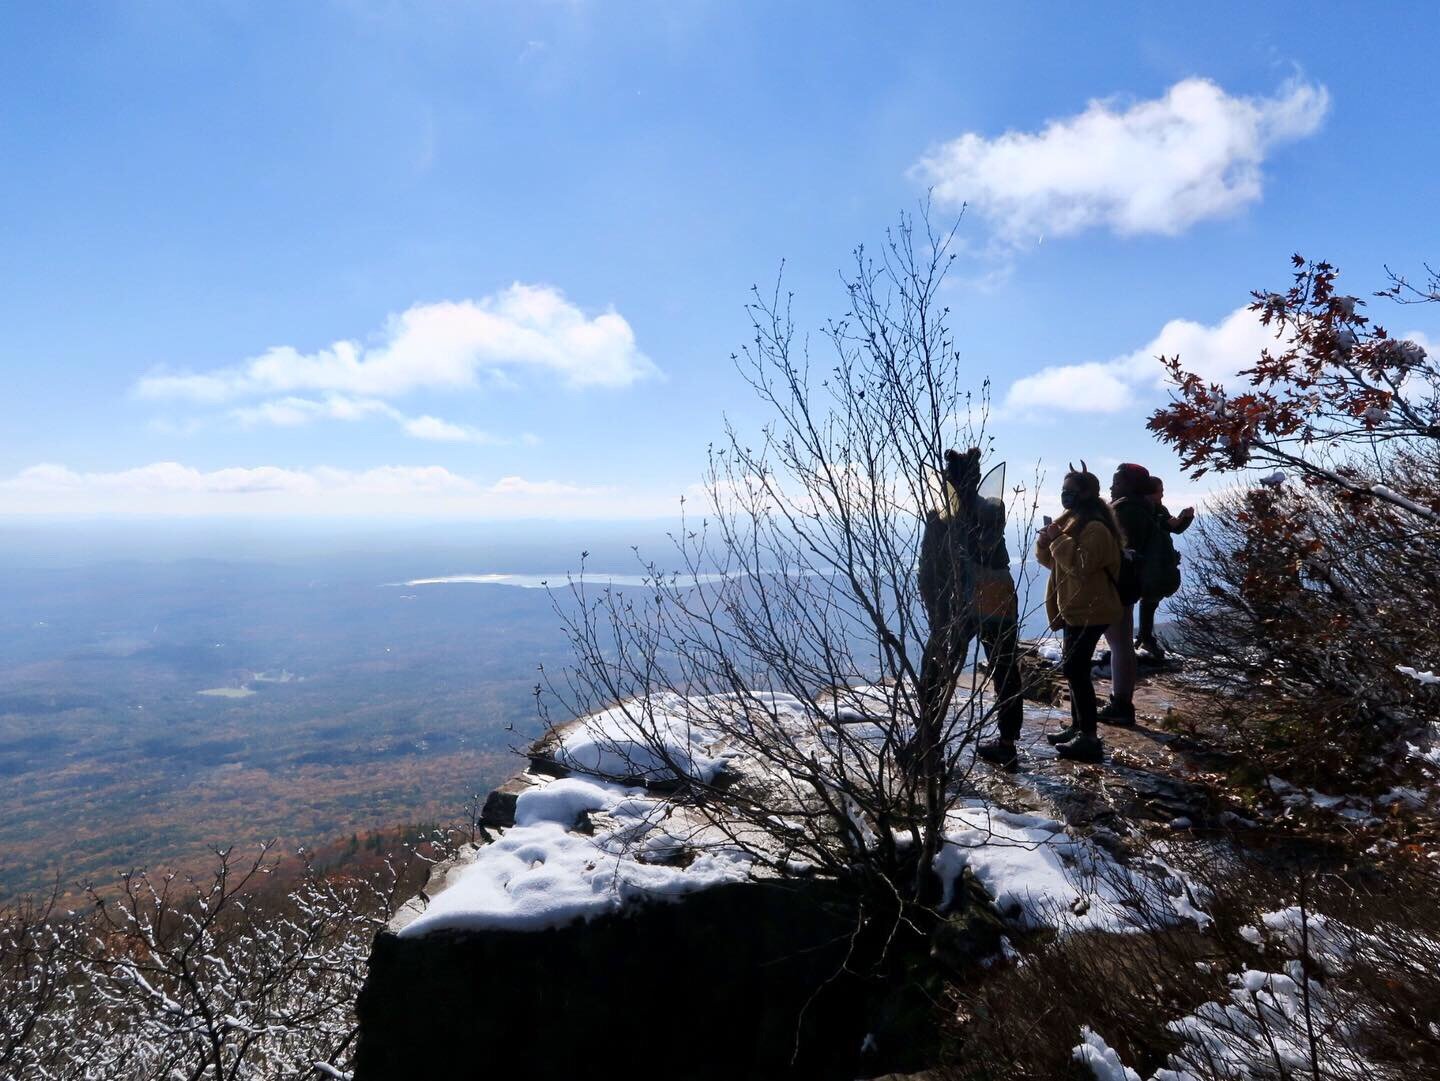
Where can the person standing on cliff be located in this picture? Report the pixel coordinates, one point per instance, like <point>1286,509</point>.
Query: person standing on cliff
<point>967,590</point>
<point>1081,549</point>
<point>1161,571</point>
<point>1135,516</point>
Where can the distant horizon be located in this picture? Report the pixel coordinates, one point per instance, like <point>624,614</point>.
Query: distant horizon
<point>27,543</point>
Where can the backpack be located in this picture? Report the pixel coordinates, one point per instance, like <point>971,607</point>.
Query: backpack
<point>964,560</point>
<point>1162,565</point>
<point>1137,527</point>
<point>988,556</point>
<point>1130,582</point>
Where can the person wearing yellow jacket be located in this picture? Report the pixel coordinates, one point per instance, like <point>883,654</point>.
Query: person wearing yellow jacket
<point>1081,549</point>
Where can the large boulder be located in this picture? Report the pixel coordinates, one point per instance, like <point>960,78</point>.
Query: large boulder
<point>743,980</point>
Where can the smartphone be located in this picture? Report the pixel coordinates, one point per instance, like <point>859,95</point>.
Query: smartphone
<point>1047,520</point>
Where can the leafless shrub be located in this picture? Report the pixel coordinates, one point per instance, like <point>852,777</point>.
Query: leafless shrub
<point>226,976</point>
<point>36,942</point>
<point>1304,604</point>
<point>801,582</point>
<point>1300,973</point>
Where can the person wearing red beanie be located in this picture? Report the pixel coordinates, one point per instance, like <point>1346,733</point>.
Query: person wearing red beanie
<point>1129,495</point>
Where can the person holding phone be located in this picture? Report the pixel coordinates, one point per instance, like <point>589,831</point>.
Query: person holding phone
<point>1082,552</point>
<point>1162,567</point>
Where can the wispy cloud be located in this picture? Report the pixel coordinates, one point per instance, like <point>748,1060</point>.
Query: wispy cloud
<point>294,412</point>
<point>521,486</point>
<point>446,345</point>
<point>171,488</point>
<point>1216,353</point>
<point>1156,166</point>
<point>436,430</point>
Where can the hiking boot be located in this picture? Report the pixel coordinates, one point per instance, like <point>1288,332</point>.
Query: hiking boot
<point>1083,748</point>
<point>999,751</point>
<point>1062,736</point>
<point>1117,713</point>
<point>1151,646</point>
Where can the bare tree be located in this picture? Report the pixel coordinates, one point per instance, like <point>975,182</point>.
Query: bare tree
<point>791,631</point>
<point>224,977</point>
<point>199,978</point>
<point>36,940</point>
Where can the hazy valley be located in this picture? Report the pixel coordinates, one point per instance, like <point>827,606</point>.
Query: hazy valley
<point>150,710</point>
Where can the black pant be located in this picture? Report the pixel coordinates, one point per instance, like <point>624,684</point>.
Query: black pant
<point>1146,630</point>
<point>1076,662</point>
<point>1000,637</point>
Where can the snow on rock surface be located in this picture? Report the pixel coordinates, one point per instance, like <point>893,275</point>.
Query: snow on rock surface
<point>544,872</point>
<point>1040,874</point>
<point>1428,678</point>
<point>538,874</point>
<point>1102,1059</point>
<point>562,801</point>
<point>649,738</point>
<point>1050,649</point>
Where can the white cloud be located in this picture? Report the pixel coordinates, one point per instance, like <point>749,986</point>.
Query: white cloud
<point>521,486</point>
<point>293,412</point>
<point>171,488</point>
<point>1216,353</point>
<point>1155,166</point>
<point>436,430</point>
<point>159,477</point>
<point>446,345</point>
<point>1075,388</point>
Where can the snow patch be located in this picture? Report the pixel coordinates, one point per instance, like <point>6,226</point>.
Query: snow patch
<point>562,802</point>
<point>1428,678</point>
<point>1040,874</point>
<point>538,874</point>
<point>646,738</point>
<point>1102,1059</point>
<point>1050,649</point>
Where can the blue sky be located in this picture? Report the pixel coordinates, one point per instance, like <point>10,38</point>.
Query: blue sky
<point>531,228</point>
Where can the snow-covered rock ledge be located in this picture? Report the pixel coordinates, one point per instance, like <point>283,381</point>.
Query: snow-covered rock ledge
<point>594,897</point>
<point>570,848</point>
<point>603,933</point>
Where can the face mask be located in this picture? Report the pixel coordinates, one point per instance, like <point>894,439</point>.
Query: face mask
<point>1068,498</point>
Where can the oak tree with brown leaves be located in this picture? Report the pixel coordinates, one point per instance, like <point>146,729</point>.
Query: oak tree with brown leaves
<point>1312,601</point>
<point>1332,401</point>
